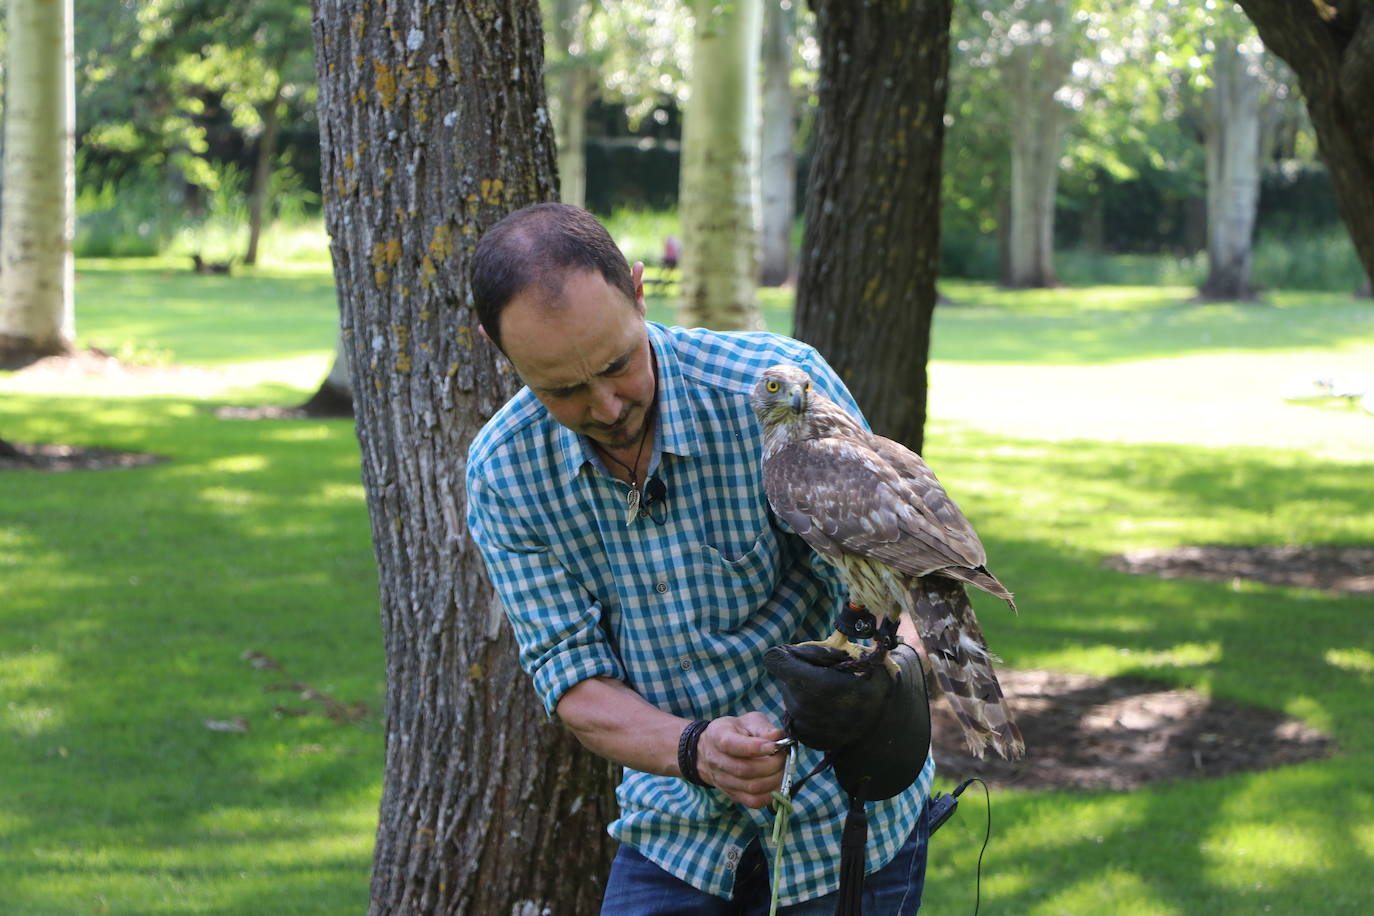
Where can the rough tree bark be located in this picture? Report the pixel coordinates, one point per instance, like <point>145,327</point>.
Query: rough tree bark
<point>1330,46</point>
<point>719,144</point>
<point>866,288</point>
<point>1032,74</point>
<point>777,164</point>
<point>1231,136</point>
<point>36,314</point>
<point>433,125</point>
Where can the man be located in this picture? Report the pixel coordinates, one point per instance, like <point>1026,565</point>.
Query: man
<point>619,505</point>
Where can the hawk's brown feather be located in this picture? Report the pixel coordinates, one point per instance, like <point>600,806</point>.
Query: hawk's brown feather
<point>874,508</point>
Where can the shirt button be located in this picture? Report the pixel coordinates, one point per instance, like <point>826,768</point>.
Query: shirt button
<point>661,587</point>
<point>685,663</point>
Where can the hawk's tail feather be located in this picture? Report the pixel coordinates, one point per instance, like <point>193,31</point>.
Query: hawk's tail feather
<point>979,577</point>
<point>959,655</point>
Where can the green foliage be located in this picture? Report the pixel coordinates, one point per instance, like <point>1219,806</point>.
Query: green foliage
<point>640,233</point>
<point>119,217</point>
<point>172,95</point>
<point>1320,259</point>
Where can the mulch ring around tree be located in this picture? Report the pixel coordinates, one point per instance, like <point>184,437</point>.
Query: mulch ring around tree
<point>1090,734</point>
<point>1120,733</point>
<point>18,456</point>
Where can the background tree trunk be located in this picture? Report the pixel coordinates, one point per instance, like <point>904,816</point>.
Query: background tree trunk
<point>334,397</point>
<point>487,806</point>
<point>1232,141</point>
<point>866,289</point>
<point>36,313</point>
<point>717,197</point>
<point>574,83</point>
<point>1032,74</point>
<point>777,164</point>
<point>1331,48</point>
<point>262,170</point>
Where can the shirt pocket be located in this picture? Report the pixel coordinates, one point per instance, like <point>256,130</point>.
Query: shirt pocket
<point>737,586</point>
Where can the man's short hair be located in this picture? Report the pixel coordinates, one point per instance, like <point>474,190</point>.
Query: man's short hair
<point>540,245</point>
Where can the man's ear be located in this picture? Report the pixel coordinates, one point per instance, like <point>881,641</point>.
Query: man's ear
<point>637,277</point>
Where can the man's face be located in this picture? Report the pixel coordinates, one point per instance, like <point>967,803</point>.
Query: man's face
<point>586,358</point>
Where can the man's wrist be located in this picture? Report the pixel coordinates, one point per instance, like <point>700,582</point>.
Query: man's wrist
<point>687,761</point>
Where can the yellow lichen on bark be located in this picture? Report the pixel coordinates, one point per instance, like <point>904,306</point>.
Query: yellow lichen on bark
<point>385,84</point>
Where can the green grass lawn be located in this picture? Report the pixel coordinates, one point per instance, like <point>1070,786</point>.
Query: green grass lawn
<point>1069,424</point>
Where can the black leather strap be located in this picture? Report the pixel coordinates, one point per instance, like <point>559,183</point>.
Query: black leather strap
<point>687,752</point>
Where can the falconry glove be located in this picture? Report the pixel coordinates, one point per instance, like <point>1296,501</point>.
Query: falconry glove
<point>874,725</point>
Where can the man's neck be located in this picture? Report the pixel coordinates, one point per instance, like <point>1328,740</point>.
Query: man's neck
<point>638,456</point>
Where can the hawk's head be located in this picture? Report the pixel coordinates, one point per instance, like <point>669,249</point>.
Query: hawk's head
<point>780,397</point>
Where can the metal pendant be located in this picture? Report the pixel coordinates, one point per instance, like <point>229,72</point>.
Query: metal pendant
<point>631,506</point>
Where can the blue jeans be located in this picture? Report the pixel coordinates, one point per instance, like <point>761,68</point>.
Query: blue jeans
<point>638,887</point>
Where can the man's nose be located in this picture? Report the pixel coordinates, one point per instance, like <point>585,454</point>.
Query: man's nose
<point>605,405</point>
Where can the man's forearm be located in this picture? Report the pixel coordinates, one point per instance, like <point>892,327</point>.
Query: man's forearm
<point>734,754</point>
<point>614,721</point>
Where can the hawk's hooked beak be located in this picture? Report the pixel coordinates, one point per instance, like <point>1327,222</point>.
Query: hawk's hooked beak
<point>798,399</point>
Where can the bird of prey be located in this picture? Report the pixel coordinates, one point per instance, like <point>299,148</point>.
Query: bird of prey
<point>874,509</point>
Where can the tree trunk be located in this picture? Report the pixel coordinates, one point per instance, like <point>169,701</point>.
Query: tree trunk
<point>573,89</point>
<point>262,171</point>
<point>36,314</point>
<point>1232,141</point>
<point>1032,74</point>
<point>866,289</point>
<point>334,397</point>
<point>487,806</point>
<point>717,197</point>
<point>572,138</point>
<point>778,168</point>
<point>1331,48</point>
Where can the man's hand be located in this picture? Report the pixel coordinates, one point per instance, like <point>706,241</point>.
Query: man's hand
<point>737,756</point>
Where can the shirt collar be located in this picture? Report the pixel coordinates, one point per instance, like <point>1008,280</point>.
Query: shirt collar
<point>675,421</point>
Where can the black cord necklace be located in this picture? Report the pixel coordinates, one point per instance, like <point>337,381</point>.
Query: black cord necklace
<point>635,498</point>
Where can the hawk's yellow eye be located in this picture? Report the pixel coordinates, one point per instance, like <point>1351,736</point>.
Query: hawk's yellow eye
<point>807,387</point>
<point>772,385</point>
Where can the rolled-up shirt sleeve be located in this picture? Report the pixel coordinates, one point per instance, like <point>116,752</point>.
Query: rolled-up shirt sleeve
<point>557,623</point>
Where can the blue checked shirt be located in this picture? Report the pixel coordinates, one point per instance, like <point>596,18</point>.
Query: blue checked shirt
<point>682,605</point>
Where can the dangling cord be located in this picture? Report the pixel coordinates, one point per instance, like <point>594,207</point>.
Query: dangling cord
<point>781,821</point>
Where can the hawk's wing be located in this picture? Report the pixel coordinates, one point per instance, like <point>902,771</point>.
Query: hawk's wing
<point>871,498</point>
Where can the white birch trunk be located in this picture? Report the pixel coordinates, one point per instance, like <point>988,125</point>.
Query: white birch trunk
<point>717,196</point>
<point>1032,74</point>
<point>777,178</point>
<point>571,130</point>
<point>36,313</point>
<point>1232,140</point>
<point>571,92</point>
